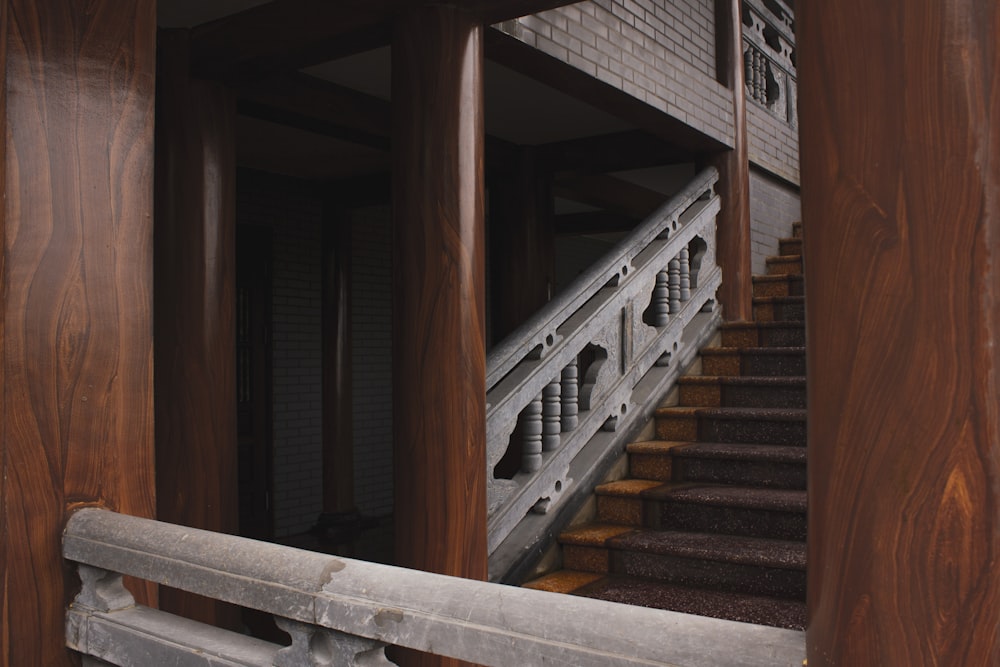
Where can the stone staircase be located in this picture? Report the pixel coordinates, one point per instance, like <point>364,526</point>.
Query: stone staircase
<point>711,519</point>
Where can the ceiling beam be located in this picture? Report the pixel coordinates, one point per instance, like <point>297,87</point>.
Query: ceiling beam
<point>288,35</point>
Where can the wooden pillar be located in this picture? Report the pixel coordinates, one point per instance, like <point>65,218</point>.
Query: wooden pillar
<point>338,432</point>
<point>900,126</point>
<point>522,243</point>
<point>196,443</point>
<point>733,235</point>
<point>439,368</point>
<point>76,375</point>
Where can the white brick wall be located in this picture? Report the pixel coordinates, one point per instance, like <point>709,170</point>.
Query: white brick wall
<point>772,143</point>
<point>657,51</point>
<point>774,206</point>
<point>371,331</point>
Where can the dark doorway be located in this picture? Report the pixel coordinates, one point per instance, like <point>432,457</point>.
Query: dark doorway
<point>253,379</point>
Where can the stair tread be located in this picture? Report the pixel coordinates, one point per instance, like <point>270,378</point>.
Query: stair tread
<point>776,278</point>
<point>784,324</point>
<point>626,488</point>
<point>759,609</point>
<point>784,258</point>
<point>593,534</point>
<point>755,414</point>
<point>563,581</point>
<point>759,300</point>
<point>746,497</point>
<point>794,349</point>
<point>759,551</point>
<point>740,452</point>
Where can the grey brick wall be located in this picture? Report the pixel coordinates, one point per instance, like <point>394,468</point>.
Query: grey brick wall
<point>371,330</point>
<point>774,206</point>
<point>295,214</point>
<point>657,51</point>
<point>773,144</point>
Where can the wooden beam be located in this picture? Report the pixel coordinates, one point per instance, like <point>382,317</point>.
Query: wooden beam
<point>612,193</point>
<point>901,207</point>
<point>76,336</point>
<point>288,35</point>
<point>439,359</point>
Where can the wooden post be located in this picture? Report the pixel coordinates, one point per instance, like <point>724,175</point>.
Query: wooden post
<point>439,415</point>
<point>338,432</point>
<point>76,346</point>
<point>733,236</point>
<point>900,126</point>
<point>196,440</point>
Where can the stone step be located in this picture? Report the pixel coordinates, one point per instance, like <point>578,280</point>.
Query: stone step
<point>779,308</point>
<point>651,459</point>
<point>790,246</point>
<point>776,426</point>
<point>789,284</point>
<point>742,391</point>
<point>783,264</point>
<point>729,510</point>
<point>763,334</point>
<point>585,549</point>
<point>621,503</point>
<point>751,565</point>
<point>765,466</point>
<point>761,610</point>
<point>756,361</point>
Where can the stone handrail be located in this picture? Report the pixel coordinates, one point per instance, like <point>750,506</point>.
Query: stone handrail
<point>769,57</point>
<point>344,612</point>
<point>579,368</point>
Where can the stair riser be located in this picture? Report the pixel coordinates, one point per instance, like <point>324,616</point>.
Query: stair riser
<point>750,363</point>
<point>765,474</point>
<point>651,466</point>
<point>791,246</point>
<point>784,267</point>
<point>586,559</point>
<point>621,511</point>
<point>779,312</point>
<point>791,285</point>
<point>749,579</point>
<point>730,520</point>
<point>710,429</point>
<point>774,336</point>
<point>742,396</point>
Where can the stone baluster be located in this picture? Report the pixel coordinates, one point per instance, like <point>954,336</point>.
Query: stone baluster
<point>551,413</point>
<point>685,259</point>
<point>315,646</point>
<point>530,422</point>
<point>674,277</point>
<point>661,300</point>
<point>570,396</point>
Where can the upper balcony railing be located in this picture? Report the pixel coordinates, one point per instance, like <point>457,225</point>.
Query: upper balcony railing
<point>769,57</point>
<point>575,378</point>
<point>345,612</point>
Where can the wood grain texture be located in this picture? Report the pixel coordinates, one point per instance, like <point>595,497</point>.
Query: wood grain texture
<point>901,205</point>
<point>196,436</point>
<point>439,413</point>
<point>733,236</point>
<point>77,291</point>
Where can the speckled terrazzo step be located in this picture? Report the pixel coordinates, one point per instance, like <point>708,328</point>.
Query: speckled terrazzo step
<point>763,334</point>
<point>742,391</point>
<point>779,308</point>
<point>778,426</point>
<point>757,361</point>
<point>790,246</point>
<point>764,610</point>
<point>789,284</point>
<point>768,466</point>
<point>730,510</point>
<point>781,264</point>
<point>749,565</point>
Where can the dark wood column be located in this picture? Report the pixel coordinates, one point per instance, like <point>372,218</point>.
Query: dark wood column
<point>521,243</point>
<point>733,236</point>
<point>196,461</point>
<point>338,432</point>
<point>76,377</point>
<point>439,366</point>
<point>900,126</point>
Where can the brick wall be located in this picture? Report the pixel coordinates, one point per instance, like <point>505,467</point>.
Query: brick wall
<point>657,51</point>
<point>371,331</point>
<point>774,206</point>
<point>294,212</point>
<point>773,144</point>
